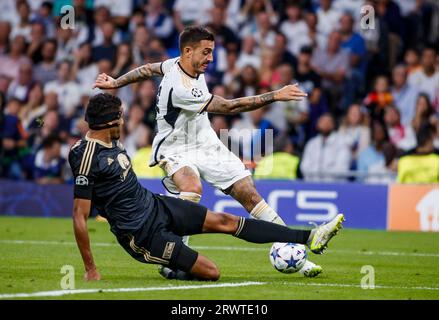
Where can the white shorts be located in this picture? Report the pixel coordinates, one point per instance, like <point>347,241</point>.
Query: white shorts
<point>215,164</point>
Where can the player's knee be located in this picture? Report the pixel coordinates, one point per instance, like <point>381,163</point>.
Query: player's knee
<point>228,222</point>
<point>212,273</point>
<point>192,185</point>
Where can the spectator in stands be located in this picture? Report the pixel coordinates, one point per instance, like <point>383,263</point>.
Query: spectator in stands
<point>146,98</point>
<point>263,34</point>
<point>34,106</point>
<point>142,156</point>
<point>332,65</point>
<point>23,27</point>
<point>106,50</point>
<point>67,44</point>
<point>249,54</point>
<point>49,165</point>
<point>249,12</point>
<point>20,87</point>
<point>10,62</point>
<point>120,11</point>
<point>5,30</point>
<point>232,70</point>
<point>224,36</point>
<point>134,128</point>
<point>158,20</point>
<point>403,137</point>
<point>424,112</point>
<point>328,18</point>
<point>188,12</point>
<point>44,16</point>
<point>139,43</point>
<point>404,95</point>
<point>380,97</point>
<point>14,142</point>
<point>355,131</point>
<point>412,60</point>
<point>353,42</point>
<point>310,82</point>
<point>281,53</point>
<point>374,153</point>
<point>384,171</point>
<point>281,164</point>
<point>247,83</point>
<point>68,91</point>
<point>326,157</point>
<point>295,29</point>
<point>427,79</point>
<point>250,134</point>
<point>46,71</point>
<point>84,70</point>
<point>37,37</point>
<point>420,165</point>
<point>289,116</point>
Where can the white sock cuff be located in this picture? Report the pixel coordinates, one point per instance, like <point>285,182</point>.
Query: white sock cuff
<point>259,209</point>
<point>190,196</point>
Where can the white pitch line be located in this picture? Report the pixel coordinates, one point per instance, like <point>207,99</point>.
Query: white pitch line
<point>230,248</point>
<point>58,293</point>
<point>357,286</point>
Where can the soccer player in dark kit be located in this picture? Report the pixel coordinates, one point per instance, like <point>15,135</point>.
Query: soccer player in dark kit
<point>150,226</point>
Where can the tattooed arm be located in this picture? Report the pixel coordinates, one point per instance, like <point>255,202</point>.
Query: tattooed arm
<point>224,106</point>
<point>104,81</point>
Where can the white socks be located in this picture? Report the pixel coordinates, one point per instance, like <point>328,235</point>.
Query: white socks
<point>190,196</point>
<point>262,211</point>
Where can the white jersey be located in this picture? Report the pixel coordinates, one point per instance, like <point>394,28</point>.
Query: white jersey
<point>185,137</point>
<point>182,121</point>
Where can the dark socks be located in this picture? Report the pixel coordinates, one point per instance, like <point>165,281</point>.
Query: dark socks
<point>258,231</point>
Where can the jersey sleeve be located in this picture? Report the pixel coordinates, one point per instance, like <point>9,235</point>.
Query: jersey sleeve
<point>191,99</point>
<point>166,65</point>
<point>83,173</point>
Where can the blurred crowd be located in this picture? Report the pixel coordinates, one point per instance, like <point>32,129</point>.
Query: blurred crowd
<point>372,112</point>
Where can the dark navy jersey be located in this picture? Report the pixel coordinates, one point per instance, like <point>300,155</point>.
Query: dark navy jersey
<point>103,174</point>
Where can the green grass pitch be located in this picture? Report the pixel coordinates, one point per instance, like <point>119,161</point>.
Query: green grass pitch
<point>33,251</point>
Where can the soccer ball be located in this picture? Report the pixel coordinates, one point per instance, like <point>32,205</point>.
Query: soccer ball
<point>288,257</point>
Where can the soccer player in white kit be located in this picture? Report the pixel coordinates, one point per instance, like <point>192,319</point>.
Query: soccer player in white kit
<point>185,145</point>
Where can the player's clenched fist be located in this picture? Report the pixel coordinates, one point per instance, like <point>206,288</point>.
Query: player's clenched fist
<point>290,92</point>
<point>92,275</point>
<point>104,81</point>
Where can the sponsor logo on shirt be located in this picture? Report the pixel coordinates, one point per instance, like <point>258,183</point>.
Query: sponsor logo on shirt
<point>196,92</point>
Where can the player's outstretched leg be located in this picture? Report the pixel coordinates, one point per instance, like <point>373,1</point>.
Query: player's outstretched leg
<point>244,191</point>
<point>258,231</point>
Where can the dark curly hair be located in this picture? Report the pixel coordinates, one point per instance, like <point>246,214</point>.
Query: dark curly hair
<point>101,104</point>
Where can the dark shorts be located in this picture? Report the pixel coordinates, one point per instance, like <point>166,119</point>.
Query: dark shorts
<point>159,241</point>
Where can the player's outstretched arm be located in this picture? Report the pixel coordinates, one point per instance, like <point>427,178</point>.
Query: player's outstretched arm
<point>104,81</point>
<point>81,211</point>
<point>233,106</point>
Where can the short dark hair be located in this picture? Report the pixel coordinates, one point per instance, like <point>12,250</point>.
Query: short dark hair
<point>425,134</point>
<point>49,141</point>
<point>102,104</point>
<point>194,34</point>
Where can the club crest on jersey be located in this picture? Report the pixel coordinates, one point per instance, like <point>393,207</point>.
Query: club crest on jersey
<point>81,181</point>
<point>123,161</point>
<point>196,92</point>
<point>110,161</point>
